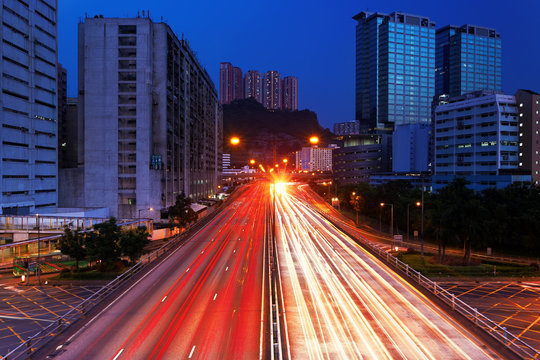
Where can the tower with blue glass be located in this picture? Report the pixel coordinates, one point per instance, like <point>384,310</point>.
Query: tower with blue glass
<point>468,59</point>
<point>395,69</point>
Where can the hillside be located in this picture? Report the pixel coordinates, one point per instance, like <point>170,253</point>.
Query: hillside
<point>258,128</point>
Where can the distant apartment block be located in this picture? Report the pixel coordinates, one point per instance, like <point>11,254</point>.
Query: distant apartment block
<point>151,118</point>
<point>29,112</point>
<point>238,84</point>
<point>468,59</point>
<point>314,159</point>
<point>347,128</point>
<point>253,85</point>
<point>528,106</point>
<point>477,137</point>
<point>272,90</point>
<point>226,83</point>
<point>290,93</point>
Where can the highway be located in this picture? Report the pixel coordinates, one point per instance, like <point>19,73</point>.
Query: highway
<point>202,301</point>
<point>342,303</point>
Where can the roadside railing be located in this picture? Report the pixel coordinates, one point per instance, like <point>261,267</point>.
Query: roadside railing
<point>34,342</point>
<point>499,333</point>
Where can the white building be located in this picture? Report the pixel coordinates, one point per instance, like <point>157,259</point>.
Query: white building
<point>314,159</point>
<point>152,122</point>
<point>28,115</point>
<point>477,137</point>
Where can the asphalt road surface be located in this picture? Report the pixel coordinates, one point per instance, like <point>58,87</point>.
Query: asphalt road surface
<point>342,303</point>
<point>205,300</point>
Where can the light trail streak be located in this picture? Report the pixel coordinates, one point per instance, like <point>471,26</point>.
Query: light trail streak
<point>342,303</point>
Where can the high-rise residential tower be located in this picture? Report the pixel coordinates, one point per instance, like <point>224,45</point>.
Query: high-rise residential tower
<point>29,113</point>
<point>238,84</point>
<point>468,59</point>
<point>226,83</point>
<point>253,85</point>
<point>395,62</point>
<point>152,122</point>
<point>290,93</point>
<point>528,106</point>
<point>272,90</point>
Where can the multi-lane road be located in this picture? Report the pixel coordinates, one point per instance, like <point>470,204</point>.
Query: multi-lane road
<point>342,303</point>
<point>208,298</point>
<point>203,301</point>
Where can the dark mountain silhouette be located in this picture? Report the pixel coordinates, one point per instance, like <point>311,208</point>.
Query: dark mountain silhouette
<point>259,128</point>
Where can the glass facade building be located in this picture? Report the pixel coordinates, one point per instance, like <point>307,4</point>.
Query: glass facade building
<point>468,59</point>
<point>395,69</point>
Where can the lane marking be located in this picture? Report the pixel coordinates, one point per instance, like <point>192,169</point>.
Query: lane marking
<point>191,353</point>
<point>118,354</point>
<point>25,318</point>
<point>215,296</point>
<point>162,300</point>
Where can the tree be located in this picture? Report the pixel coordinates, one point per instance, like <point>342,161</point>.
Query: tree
<point>181,214</point>
<point>72,244</point>
<point>101,244</point>
<point>132,242</point>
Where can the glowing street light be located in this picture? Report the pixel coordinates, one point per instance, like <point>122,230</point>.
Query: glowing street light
<point>252,161</point>
<point>285,161</point>
<point>314,140</point>
<point>235,140</point>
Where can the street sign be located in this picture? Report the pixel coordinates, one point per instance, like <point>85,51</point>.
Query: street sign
<point>32,267</point>
<point>398,238</point>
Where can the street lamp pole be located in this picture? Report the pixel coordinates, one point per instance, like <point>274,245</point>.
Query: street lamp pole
<point>38,268</point>
<point>408,205</point>
<point>391,217</point>
<point>422,224</point>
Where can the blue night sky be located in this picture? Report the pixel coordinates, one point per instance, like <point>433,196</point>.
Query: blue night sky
<point>313,40</point>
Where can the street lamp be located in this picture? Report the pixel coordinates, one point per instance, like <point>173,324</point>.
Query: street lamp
<point>355,198</point>
<point>314,140</point>
<point>235,140</point>
<point>38,269</point>
<point>252,161</point>
<point>418,203</point>
<point>391,217</point>
<point>139,219</point>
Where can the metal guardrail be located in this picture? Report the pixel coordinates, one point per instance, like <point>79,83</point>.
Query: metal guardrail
<point>498,332</point>
<point>33,343</point>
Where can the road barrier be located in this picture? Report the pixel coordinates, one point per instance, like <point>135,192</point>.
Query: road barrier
<point>499,333</point>
<point>35,342</point>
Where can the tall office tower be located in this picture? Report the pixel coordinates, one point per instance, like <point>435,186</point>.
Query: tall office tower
<point>253,85</point>
<point>410,148</point>
<point>62,116</point>
<point>290,93</point>
<point>238,84</point>
<point>28,115</point>
<point>272,90</point>
<point>468,58</point>
<point>477,137</point>
<point>226,83</point>
<point>395,61</point>
<point>151,117</point>
<point>528,103</point>
<point>347,128</point>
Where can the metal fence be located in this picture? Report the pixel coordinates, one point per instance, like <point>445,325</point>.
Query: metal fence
<point>34,342</point>
<point>498,332</point>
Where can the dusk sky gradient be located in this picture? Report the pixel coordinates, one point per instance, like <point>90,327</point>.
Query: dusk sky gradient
<point>313,40</point>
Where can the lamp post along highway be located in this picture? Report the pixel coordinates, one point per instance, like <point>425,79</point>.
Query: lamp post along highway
<point>38,268</point>
<point>391,217</point>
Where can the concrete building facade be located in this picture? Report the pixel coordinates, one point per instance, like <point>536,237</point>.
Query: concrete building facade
<point>151,118</point>
<point>290,93</point>
<point>347,128</point>
<point>272,90</point>
<point>410,148</point>
<point>477,137</point>
<point>528,105</point>
<point>28,112</point>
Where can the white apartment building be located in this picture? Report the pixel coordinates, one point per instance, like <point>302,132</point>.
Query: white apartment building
<point>314,159</point>
<point>28,111</point>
